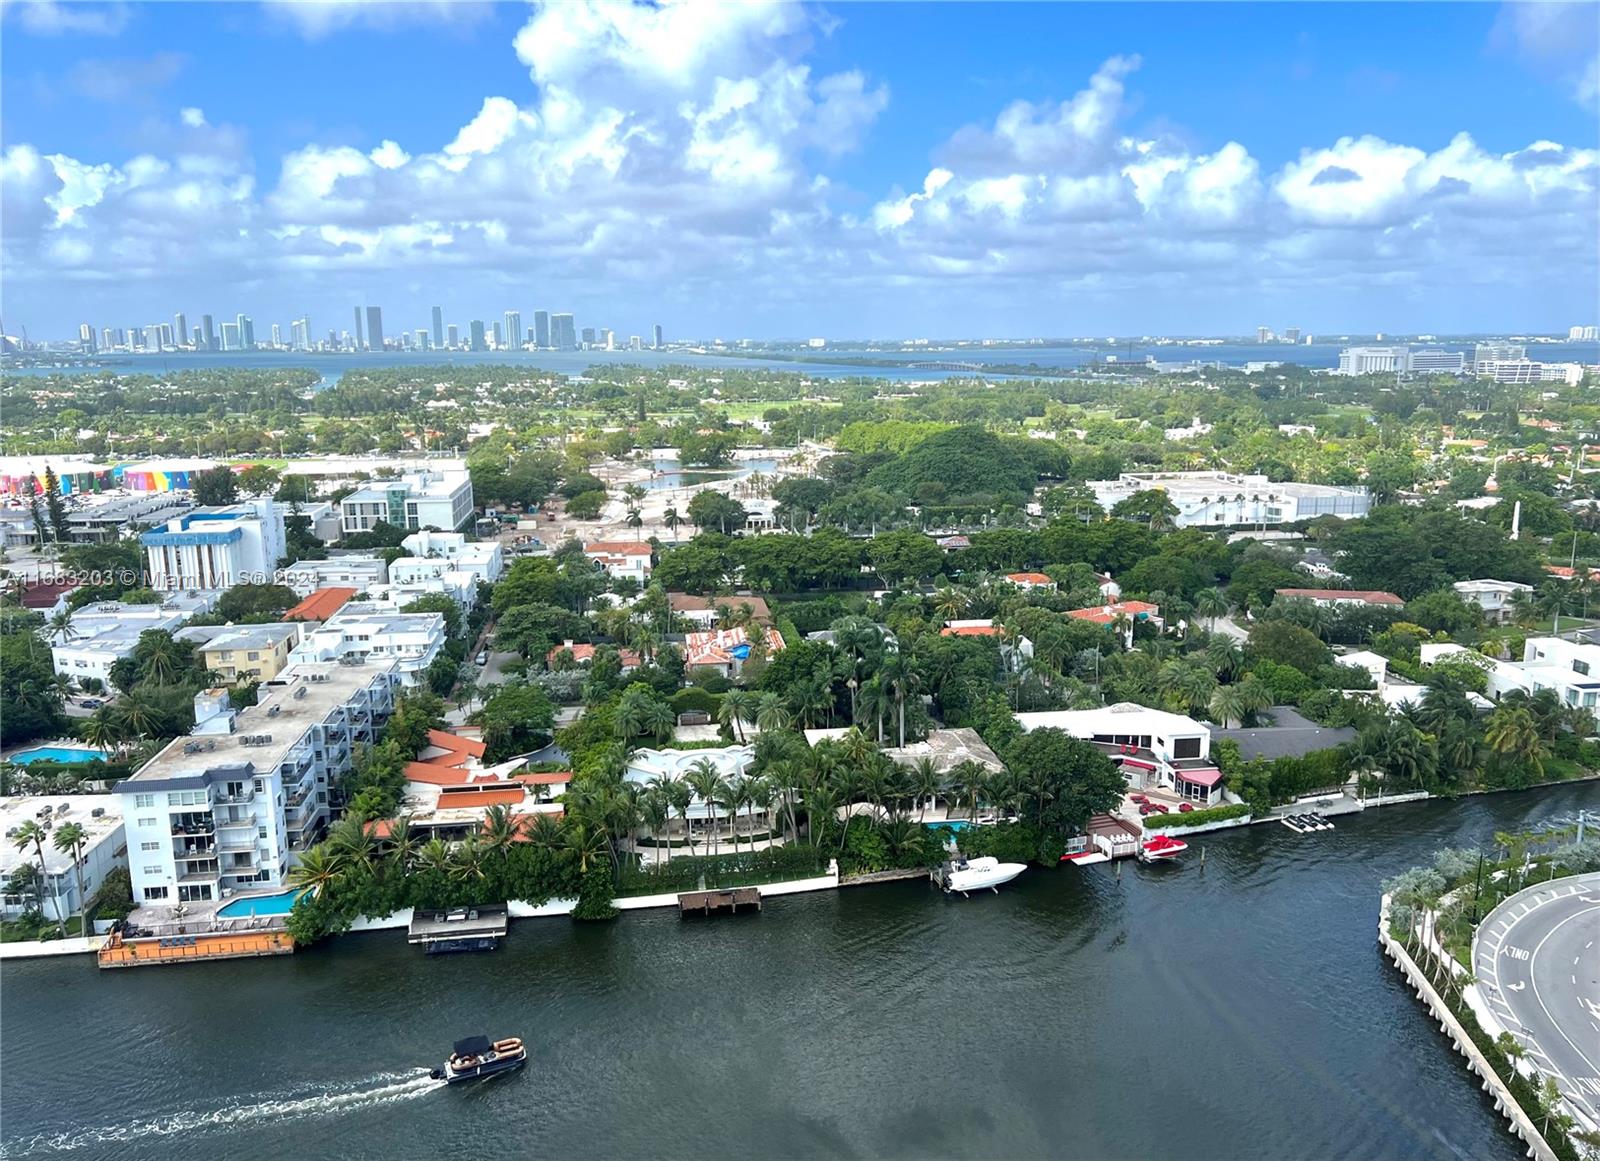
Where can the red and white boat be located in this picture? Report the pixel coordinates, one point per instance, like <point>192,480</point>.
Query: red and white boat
<point>1163,846</point>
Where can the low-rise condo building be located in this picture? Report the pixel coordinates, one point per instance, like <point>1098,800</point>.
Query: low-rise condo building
<point>230,806</point>
<point>1219,499</point>
<point>359,630</point>
<point>217,548</point>
<point>245,653</point>
<point>56,892</point>
<point>435,497</point>
<point>98,635</point>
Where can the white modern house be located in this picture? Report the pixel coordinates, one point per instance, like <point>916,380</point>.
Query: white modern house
<point>104,849</point>
<point>646,766</point>
<point>360,630</point>
<point>1495,597</point>
<point>446,563</point>
<point>434,497</point>
<point>1156,750</point>
<point>1569,668</point>
<point>229,807</point>
<point>216,548</point>
<point>1219,499</point>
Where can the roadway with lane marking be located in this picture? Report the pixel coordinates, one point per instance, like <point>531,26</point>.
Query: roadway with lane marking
<point>1537,960</point>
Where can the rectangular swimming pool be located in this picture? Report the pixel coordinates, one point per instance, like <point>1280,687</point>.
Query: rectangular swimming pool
<point>953,824</point>
<point>280,904</point>
<point>58,754</point>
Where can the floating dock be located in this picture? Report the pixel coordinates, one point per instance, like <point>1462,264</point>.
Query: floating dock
<point>478,928</point>
<point>729,902</point>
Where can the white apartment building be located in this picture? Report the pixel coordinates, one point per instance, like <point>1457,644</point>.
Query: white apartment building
<point>104,849</point>
<point>361,630</point>
<point>1529,371</point>
<point>355,572</point>
<point>229,807</point>
<point>217,548</point>
<point>1155,750</point>
<point>100,634</point>
<point>1494,597</point>
<point>444,562</point>
<point>434,497</point>
<point>1225,498</point>
<point>1400,360</point>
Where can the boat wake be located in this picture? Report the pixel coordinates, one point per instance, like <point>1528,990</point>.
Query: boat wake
<point>240,1112</point>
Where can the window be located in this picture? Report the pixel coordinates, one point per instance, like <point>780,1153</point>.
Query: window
<point>144,799</point>
<point>144,822</point>
<point>152,894</point>
<point>149,846</point>
<point>261,832</point>
<point>152,870</point>
<point>257,785</point>
<point>187,798</point>
<point>1186,747</point>
<point>1581,667</point>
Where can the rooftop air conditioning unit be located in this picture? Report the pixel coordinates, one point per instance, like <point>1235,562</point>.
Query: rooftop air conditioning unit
<point>98,812</point>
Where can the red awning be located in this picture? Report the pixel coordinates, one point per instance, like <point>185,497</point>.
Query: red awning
<point>1209,777</point>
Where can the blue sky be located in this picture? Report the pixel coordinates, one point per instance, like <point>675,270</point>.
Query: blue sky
<point>854,170</point>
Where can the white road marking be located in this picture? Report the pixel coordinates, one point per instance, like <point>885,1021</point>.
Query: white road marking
<point>1515,952</point>
<point>1582,1055</point>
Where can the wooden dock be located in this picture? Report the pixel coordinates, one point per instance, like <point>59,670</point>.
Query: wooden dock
<point>719,902</point>
<point>118,952</point>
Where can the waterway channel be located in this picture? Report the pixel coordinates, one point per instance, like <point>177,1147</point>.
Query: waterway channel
<point>1239,1010</point>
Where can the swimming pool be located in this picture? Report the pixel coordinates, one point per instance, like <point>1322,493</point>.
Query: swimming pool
<point>58,754</point>
<point>953,824</point>
<point>280,904</point>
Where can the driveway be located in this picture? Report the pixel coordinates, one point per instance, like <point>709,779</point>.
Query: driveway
<point>1538,966</point>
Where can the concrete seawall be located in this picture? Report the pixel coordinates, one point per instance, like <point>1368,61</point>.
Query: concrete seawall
<point>1504,1102</point>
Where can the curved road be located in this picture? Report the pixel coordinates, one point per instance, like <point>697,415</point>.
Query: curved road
<point>1537,960</point>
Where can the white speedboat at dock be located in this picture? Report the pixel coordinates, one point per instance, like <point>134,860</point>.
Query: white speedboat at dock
<point>968,875</point>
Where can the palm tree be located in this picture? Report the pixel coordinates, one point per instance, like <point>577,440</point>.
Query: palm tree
<point>704,780</point>
<point>584,844</point>
<point>501,830</point>
<point>402,843</point>
<point>672,519</point>
<point>70,839</point>
<point>319,869</point>
<point>1512,733</point>
<point>771,714</point>
<point>679,795</point>
<point>635,521</point>
<point>655,811</point>
<point>969,778</point>
<point>161,655</point>
<point>32,834</point>
<point>62,629</point>
<point>900,675</point>
<point>1225,656</point>
<point>103,730</point>
<point>730,795</point>
<point>137,714</point>
<point>926,782</point>
<point>735,711</point>
<point>434,856</point>
<point>1254,695</point>
<point>1227,706</point>
<point>1211,604</point>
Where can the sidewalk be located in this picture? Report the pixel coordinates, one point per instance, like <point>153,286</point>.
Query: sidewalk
<point>39,948</point>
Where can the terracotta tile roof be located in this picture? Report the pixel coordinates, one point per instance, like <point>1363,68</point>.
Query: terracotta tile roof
<point>546,778</point>
<point>1364,596</point>
<point>436,774</point>
<point>584,654</point>
<point>320,605</point>
<point>716,646</point>
<point>1029,578</point>
<point>617,548</point>
<point>43,594</point>
<point>971,631</point>
<point>689,603</point>
<point>1105,614</point>
<point>456,742</point>
<point>474,799</point>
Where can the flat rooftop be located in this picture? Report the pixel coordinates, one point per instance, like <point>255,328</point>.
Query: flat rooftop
<point>79,808</point>
<point>326,685</point>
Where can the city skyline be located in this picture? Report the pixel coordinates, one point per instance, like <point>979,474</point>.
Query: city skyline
<point>788,170</point>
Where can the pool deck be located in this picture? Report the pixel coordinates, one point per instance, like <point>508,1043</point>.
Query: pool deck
<point>72,744</point>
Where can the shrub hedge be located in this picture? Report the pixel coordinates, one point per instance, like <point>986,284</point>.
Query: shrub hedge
<point>1197,817</point>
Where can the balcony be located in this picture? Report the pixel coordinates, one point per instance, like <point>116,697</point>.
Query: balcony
<point>237,843</point>
<point>184,825</point>
<point>198,876</point>
<point>248,794</point>
<point>189,847</point>
<point>248,820</point>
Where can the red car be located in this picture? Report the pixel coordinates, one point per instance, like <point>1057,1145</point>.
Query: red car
<point>1158,808</point>
<point>1138,798</point>
<point>1184,808</point>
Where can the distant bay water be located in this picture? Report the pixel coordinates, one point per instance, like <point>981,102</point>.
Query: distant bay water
<point>902,365</point>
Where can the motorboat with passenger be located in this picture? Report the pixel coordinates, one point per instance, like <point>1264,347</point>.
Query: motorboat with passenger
<point>478,1057</point>
<point>967,875</point>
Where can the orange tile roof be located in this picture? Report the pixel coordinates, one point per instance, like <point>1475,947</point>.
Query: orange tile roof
<point>320,605</point>
<point>619,548</point>
<point>456,742</point>
<point>473,799</point>
<point>436,774</point>
<point>971,631</point>
<point>548,778</point>
<point>584,652</point>
<point>1029,578</point>
<point>1105,614</point>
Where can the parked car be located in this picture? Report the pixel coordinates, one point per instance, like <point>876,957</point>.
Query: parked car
<point>1184,808</point>
<point>1159,808</point>
<point>1138,798</point>
<point>92,703</point>
<point>483,657</point>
